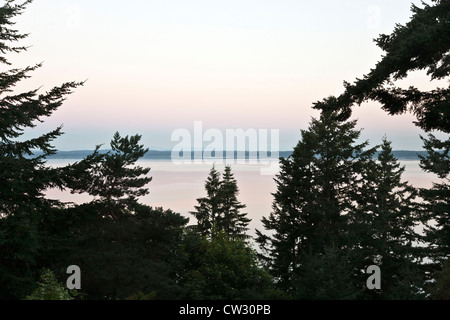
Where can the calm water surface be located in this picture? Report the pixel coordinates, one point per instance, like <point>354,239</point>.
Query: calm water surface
<point>177,187</point>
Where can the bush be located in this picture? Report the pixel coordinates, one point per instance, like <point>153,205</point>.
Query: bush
<point>50,289</point>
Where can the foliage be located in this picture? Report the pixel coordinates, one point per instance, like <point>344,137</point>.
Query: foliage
<point>317,187</point>
<point>326,276</point>
<point>141,296</point>
<point>231,221</point>
<point>336,209</point>
<point>50,289</point>
<point>20,243</point>
<point>224,268</point>
<point>422,44</point>
<point>114,180</point>
<point>24,177</point>
<point>117,259</point>
<point>436,206</point>
<point>384,225</point>
<point>441,288</point>
<point>220,209</point>
<point>208,208</point>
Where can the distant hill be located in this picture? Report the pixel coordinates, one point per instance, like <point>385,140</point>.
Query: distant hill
<point>167,155</point>
<point>408,155</point>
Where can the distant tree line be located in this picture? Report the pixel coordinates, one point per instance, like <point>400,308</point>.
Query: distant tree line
<point>339,207</point>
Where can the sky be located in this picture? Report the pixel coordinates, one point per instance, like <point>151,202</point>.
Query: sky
<point>154,66</point>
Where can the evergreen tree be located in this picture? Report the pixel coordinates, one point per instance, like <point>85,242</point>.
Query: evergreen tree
<point>116,181</point>
<point>317,187</point>
<point>208,209</point>
<point>326,276</point>
<point>50,289</point>
<point>20,244</point>
<point>232,221</point>
<point>122,247</point>
<point>422,44</point>
<point>138,253</point>
<point>436,200</point>
<point>23,174</point>
<point>440,289</point>
<point>384,225</point>
<point>222,268</point>
<point>220,210</point>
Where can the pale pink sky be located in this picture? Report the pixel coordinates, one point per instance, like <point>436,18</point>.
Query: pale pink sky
<point>156,66</point>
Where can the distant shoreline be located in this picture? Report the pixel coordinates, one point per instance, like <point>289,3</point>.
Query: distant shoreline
<point>167,155</point>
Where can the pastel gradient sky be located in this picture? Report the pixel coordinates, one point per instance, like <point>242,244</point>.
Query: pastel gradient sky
<point>153,66</point>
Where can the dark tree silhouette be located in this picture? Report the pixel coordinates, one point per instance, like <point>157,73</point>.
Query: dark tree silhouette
<point>422,44</point>
<point>220,210</point>
<point>23,174</point>
<point>317,188</point>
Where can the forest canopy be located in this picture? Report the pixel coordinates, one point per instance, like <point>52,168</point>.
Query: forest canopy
<point>339,207</point>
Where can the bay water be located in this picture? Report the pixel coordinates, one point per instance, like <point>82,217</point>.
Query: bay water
<point>177,186</point>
